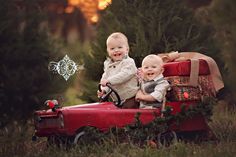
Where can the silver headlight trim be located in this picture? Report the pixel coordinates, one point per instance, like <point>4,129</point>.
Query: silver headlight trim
<point>61,120</point>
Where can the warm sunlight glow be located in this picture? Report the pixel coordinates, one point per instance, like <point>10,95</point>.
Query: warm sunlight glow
<point>94,19</point>
<point>69,9</point>
<point>74,2</point>
<point>88,7</point>
<point>102,4</point>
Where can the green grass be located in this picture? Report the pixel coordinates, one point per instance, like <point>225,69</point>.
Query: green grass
<point>15,141</point>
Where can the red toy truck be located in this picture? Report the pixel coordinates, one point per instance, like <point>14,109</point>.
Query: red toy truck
<point>68,123</point>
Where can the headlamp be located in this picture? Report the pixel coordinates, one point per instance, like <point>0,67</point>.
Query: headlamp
<point>52,104</point>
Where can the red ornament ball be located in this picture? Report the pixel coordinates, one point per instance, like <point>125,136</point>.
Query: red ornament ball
<point>186,95</point>
<point>51,104</point>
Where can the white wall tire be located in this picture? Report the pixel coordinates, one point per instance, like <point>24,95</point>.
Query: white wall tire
<point>78,137</point>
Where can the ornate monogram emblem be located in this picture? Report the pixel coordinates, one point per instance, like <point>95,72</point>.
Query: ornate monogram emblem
<point>65,67</point>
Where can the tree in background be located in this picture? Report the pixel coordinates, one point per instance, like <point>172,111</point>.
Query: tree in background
<point>152,26</point>
<point>25,51</point>
<point>222,15</point>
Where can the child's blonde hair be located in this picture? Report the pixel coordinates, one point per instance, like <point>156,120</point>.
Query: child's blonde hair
<point>153,57</point>
<point>118,35</point>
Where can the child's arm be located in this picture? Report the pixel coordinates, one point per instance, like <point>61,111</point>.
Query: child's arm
<point>128,71</point>
<point>103,82</point>
<point>159,91</point>
<point>140,96</point>
<point>157,95</point>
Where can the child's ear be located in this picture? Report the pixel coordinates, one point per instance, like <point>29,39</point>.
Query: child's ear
<point>127,50</point>
<point>162,69</point>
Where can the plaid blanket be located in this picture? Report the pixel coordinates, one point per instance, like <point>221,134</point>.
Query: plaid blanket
<point>182,91</point>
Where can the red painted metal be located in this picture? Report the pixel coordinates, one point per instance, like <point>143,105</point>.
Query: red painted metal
<point>106,115</point>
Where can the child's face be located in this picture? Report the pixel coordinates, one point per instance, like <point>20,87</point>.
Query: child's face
<point>117,49</point>
<point>151,68</point>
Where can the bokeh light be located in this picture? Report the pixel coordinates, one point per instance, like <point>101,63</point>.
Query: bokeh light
<point>89,8</point>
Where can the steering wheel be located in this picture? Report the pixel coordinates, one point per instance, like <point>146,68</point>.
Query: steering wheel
<point>106,96</point>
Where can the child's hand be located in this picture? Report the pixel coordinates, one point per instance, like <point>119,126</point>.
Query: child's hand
<point>104,82</point>
<point>100,93</point>
<point>139,95</point>
<point>139,74</point>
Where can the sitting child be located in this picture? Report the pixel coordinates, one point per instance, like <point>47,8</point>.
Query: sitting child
<point>120,70</point>
<point>153,84</point>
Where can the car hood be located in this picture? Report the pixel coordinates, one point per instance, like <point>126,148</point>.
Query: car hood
<point>89,106</point>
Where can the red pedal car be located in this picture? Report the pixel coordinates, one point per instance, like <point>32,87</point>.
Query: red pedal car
<point>69,123</point>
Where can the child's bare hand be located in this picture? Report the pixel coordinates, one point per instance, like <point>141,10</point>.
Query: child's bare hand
<point>100,93</point>
<point>104,82</point>
<point>139,95</point>
<point>139,74</point>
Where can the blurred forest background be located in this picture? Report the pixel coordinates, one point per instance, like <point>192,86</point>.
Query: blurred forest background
<point>35,32</point>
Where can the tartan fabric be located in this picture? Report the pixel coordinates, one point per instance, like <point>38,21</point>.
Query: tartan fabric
<point>181,91</point>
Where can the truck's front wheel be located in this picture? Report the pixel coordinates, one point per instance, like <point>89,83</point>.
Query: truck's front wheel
<point>79,136</point>
<point>59,141</point>
<point>88,135</point>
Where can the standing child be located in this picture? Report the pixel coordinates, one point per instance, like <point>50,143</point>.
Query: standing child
<point>153,84</point>
<point>120,70</point>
